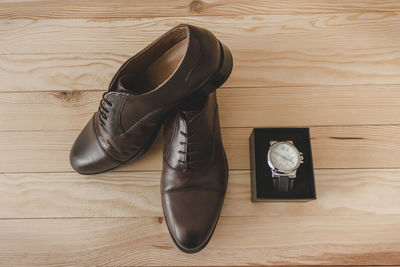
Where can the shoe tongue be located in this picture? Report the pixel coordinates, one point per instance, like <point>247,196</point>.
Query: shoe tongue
<point>190,115</point>
<point>193,109</point>
<point>123,85</point>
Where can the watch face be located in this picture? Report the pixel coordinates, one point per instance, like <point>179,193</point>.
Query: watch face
<point>284,157</point>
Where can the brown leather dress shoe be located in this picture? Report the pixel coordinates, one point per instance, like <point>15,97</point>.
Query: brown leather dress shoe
<point>195,174</point>
<point>185,62</point>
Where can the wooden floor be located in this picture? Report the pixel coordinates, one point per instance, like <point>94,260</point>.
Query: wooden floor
<point>333,66</point>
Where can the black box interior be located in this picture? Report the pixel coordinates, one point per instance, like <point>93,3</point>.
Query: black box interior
<point>261,175</point>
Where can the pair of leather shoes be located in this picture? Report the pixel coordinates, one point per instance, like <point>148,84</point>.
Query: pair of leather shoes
<point>172,82</point>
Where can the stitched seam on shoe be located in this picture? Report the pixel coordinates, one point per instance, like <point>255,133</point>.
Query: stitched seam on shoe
<point>120,113</point>
<point>167,153</point>
<point>191,189</point>
<point>143,119</point>
<point>97,138</point>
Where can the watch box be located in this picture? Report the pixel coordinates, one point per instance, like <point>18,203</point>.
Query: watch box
<point>262,182</point>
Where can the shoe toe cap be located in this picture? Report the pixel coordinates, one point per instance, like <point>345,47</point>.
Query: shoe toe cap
<point>191,240</point>
<point>87,156</point>
<point>192,217</point>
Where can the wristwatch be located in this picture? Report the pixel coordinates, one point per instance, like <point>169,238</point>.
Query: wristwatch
<point>284,159</point>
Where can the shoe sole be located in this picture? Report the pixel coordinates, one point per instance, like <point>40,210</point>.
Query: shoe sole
<point>218,79</point>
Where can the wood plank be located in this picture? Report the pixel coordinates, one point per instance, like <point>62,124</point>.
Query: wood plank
<point>67,72</point>
<point>361,146</point>
<point>333,147</point>
<point>47,72</point>
<point>341,240</point>
<point>238,107</point>
<point>178,8</point>
<point>318,49</point>
<point>355,192</point>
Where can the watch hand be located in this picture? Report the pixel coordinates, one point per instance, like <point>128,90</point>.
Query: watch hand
<point>286,158</point>
<point>290,160</point>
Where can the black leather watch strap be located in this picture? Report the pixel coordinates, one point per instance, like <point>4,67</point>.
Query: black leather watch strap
<point>283,183</point>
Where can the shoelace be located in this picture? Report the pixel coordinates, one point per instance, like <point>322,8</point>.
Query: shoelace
<point>103,111</point>
<point>188,162</point>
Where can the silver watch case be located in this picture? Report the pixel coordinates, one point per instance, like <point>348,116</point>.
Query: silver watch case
<point>290,173</point>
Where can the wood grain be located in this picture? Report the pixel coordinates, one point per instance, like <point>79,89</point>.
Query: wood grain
<point>66,72</point>
<point>304,63</point>
<point>238,107</point>
<point>357,192</point>
<point>178,8</point>
<point>268,50</point>
<point>308,240</point>
<point>62,72</point>
<point>333,147</point>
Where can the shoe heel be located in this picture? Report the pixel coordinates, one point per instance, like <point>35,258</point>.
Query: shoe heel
<point>222,74</point>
